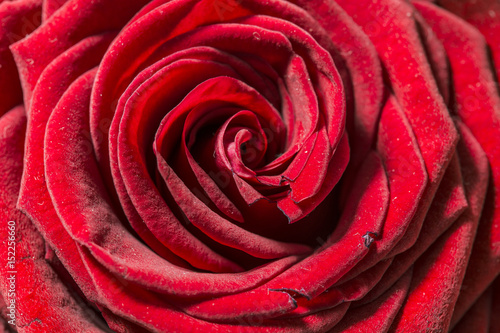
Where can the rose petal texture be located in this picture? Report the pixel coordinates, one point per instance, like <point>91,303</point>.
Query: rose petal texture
<point>250,166</point>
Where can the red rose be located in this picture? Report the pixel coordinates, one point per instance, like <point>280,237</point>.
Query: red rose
<point>248,165</point>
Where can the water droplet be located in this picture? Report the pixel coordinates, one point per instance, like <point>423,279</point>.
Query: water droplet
<point>256,36</point>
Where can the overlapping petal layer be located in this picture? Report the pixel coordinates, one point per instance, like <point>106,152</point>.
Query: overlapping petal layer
<point>226,165</point>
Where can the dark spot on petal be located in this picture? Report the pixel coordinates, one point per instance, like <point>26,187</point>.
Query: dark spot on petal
<point>369,238</point>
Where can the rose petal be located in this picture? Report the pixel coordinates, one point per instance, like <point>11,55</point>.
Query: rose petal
<point>51,306</point>
<point>478,317</point>
<point>18,19</point>
<point>34,200</point>
<point>450,202</point>
<point>397,42</point>
<point>379,314</point>
<point>438,274</point>
<point>49,7</point>
<point>364,66</point>
<point>65,29</point>
<point>407,179</point>
<point>345,246</point>
<point>349,291</point>
<point>478,104</point>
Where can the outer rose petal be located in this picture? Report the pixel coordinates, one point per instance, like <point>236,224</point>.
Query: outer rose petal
<point>443,213</point>
<point>438,274</point>
<point>478,317</point>
<point>399,47</point>
<point>478,104</point>
<point>49,7</point>
<point>18,19</point>
<point>51,306</point>
<point>69,26</point>
<point>378,315</point>
<point>407,209</point>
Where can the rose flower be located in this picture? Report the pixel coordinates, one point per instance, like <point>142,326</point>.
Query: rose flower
<point>250,166</point>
